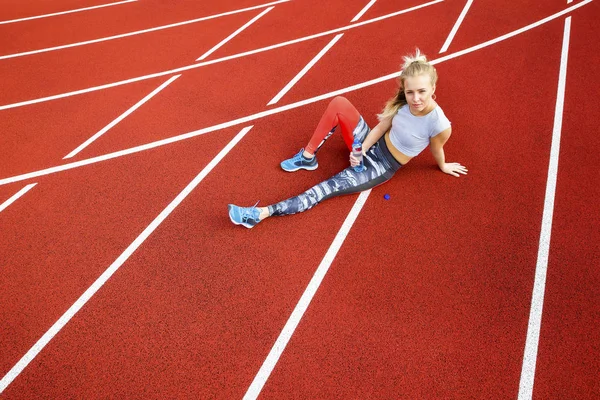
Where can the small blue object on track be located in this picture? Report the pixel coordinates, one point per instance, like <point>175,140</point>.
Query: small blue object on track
<point>386,196</point>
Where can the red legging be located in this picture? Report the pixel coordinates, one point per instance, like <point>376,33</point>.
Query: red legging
<point>339,112</point>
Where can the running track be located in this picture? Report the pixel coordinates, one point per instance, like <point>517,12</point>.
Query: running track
<point>430,294</point>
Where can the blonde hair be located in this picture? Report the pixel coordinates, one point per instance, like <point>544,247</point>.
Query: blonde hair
<point>414,65</point>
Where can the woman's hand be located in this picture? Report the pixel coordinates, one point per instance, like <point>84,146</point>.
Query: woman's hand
<point>454,169</point>
<point>353,161</point>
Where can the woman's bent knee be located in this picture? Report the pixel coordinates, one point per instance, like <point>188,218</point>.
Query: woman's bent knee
<point>339,102</point>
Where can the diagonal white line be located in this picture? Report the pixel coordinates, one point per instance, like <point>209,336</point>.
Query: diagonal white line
<point>541,268</point>
<point>16,196</point>
<point>305,70</point>
<point>363,11</point>
<point>288,330</point>
<point>89,293</point>
<point>513,33</point>
<point>459,21</point>
<point>218,60</point>
<point>234,34</point>
<point>157,28</point>
<point>283,44</point>
<point>120,118</point>
<point>277,110</point>
<point>312,62</point>
<point>65,12</point>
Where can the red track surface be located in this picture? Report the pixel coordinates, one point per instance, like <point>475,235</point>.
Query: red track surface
<point>429,296</point>
<point>569,344</point>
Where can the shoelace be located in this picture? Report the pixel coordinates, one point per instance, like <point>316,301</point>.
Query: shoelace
<point>298,157</point>
<point>249,212</point>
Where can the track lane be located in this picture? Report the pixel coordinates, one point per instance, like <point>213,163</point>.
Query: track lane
<point>71,69</point>
<point>206,97</point>
<point>13,9</point>
<point>59,127</point>
<point>192,66</point>
<point>487,19</point>
<point>8,191</point>
<point>99,23</point>
<point>197,305</point>
<point>309,17</point>
<point>195,100</point>
<point>70,228</point>
<point>353,59</point>
<point>430,294</point>
<point>568,350</point>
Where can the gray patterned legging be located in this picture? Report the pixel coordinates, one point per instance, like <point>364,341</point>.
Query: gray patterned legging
<point>380,164</point>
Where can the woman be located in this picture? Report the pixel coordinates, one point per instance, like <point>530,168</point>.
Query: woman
<point>409,122</point>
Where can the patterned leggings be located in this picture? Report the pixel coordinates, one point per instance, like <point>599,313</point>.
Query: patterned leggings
<point>381,165</point>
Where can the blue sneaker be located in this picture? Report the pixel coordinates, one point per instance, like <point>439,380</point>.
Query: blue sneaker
<point>247,216</point>
<point>299,162</point>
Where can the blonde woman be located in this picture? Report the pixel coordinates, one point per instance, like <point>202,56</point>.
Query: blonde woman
<point>410,121</point>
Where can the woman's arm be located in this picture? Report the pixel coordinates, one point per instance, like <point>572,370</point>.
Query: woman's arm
<point>376,133</point>
<point>437,149</point>
<point>372,138</point>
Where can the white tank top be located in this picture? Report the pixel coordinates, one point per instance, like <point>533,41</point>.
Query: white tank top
<point>411,134</point>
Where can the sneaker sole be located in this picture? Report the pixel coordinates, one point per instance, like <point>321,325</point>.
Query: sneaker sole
<point>235,222</point>
<point>311,168</point>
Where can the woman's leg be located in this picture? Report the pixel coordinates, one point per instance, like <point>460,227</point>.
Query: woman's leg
<point>340,112</point>
<point>346,182</point>
<point>380,164</point>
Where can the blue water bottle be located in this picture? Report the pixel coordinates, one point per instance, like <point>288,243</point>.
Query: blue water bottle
<point>357,153</point>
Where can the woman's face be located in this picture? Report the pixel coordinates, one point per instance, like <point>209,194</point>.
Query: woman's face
<point>418,91</point>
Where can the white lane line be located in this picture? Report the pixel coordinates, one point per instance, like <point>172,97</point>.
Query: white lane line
<point>215,61</point>
<point>363,11</point>
<point>16,196</point>
<point>265,113</point>
<point>305,70</point>
<point>87,295</point>
<point>312,62</point>
<point>66,12</point>
<point>234,34</point>
<point>104,39</point>
<point>120,118</point>
<point>288,330</point>
<point>512,34</point>
<point>539,285</point>
<point>456,26</point>
<point>283,44</point>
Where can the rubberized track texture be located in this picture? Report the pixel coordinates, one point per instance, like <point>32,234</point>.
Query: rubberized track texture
<point>123,277</point>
